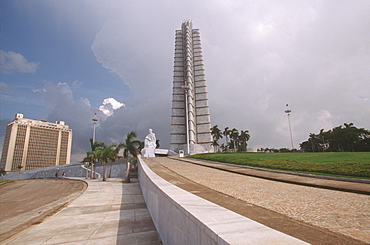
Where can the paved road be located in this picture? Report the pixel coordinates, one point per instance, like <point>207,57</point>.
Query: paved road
<point>318,216</point>
<point>109,212</point>
<point>27,202</point>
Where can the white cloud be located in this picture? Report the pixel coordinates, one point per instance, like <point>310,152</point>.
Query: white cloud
<point>11,61</point>
<point>110,105</point>
<point>258,55</point>
<point>324,120</point>
<point>77,113</point>
<point>38,90</point>
<point>77,83</point>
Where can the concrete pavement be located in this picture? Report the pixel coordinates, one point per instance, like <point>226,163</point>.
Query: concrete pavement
<point>109,212</point>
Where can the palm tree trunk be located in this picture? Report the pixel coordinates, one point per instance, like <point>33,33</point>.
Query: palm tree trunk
<point>104,172</point>
<point>92,171</point>
<point>110,170</point>
<point>127,177</point>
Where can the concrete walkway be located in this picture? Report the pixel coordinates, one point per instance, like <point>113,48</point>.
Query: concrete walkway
<point>106,213</point>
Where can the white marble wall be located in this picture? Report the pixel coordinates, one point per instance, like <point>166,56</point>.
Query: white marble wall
<point>182,218</point>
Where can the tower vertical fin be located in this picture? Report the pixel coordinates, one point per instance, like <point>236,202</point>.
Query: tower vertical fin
<point>190,124</point>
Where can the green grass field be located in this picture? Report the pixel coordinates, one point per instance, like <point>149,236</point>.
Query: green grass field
<point>3,181</point>
<point>347,164</point>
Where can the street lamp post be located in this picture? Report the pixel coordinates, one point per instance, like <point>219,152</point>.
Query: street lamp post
<point>93,172</point>
<point>94,124</point>
<point>288,111</point>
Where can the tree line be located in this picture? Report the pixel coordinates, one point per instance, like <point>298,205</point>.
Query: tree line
<point>235,141</point>
<point>345,137</point>
<point>102,153</point>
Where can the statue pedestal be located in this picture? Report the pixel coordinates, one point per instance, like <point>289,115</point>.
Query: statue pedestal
<point>148,152</point>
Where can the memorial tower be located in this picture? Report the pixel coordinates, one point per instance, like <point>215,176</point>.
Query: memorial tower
<point>190,121</point>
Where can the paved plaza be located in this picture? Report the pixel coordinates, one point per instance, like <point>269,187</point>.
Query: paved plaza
<point>106,213</point>
<point>27,202</point>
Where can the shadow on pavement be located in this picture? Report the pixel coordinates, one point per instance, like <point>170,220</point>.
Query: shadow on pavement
<point>135,224</point>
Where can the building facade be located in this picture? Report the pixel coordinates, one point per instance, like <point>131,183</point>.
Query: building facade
<point>30,144</point>
<point>190,121</point>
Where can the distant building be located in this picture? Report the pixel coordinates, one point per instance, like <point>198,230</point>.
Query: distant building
<point>252,150</point>
<point>191,123</point>
<point>35,144</point>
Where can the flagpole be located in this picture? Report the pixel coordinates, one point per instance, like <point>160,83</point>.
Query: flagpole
<point>93,172</point>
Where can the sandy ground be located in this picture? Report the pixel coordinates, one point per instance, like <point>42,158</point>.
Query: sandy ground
<point>24,203</point>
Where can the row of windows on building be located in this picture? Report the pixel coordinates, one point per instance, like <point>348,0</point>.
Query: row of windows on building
<point>42,148</point>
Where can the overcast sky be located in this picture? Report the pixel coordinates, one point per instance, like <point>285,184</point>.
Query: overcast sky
<point>66,60</point>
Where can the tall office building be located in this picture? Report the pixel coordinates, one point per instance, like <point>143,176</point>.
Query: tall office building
<point>191,124</point>
<point>30,144</point>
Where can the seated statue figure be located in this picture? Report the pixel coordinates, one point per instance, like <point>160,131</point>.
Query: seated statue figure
<point>150,140</point>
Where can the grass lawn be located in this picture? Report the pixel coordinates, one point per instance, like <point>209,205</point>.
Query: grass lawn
<point>348,164</point>
<point>3,181</point>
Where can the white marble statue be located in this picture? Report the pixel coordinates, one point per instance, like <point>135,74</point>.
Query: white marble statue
<point>150,140</point>
<point>149,145</point>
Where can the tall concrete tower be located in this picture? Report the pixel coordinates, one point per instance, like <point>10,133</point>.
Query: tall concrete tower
<point>191,123</point>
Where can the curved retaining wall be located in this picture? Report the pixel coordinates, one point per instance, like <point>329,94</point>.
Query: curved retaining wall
<point>71,170</point>
<point>182,218</point>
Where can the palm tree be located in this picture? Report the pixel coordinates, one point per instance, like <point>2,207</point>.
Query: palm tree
<point>226,133</point>
<point>313,138</point>
<point>216,134</point>
<point>131,147</point>
<point>106,153</point>
<point>90,159</point>
<point>244,137</point>
<point>91,156</point>
<point>115,156</point>
<point>234,135</point>
<point>102,154</point>
<point>215,145</point>
<point>321,135</point>
<point>142,145</point>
